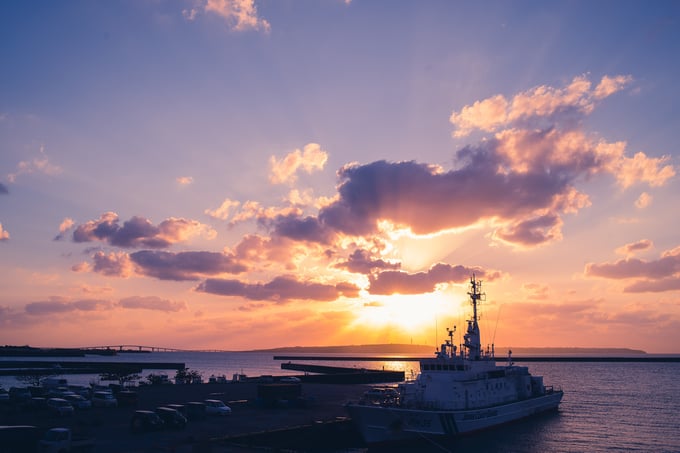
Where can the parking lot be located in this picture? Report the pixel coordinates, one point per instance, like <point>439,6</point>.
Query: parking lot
<point>110,426</point>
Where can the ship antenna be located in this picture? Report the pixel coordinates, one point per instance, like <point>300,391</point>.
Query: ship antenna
<point>493,340</point>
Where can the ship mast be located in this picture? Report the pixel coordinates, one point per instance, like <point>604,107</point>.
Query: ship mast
<point>472,337</point>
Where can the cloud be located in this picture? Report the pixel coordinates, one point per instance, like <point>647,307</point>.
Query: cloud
<point>280,289</point>
<point>629,249</point>
<point>522,180</point>
<point>298,228</point>
<point>360,262</point>
<point>640,168</point>
<point>541,102</point>
<point>116,264</point>
<point>65,225</point>
<point>241,15</point>
<point>658,275</point>
<point>184,265</point>
<point>190,13</point>
<point>185,180</point>
<point>643,200</point>
<point>58,306</point>
<point>531,232</point>
<point>152,303</point>
<point>311,158</point>
<point>37,165</point>
<point>428,200</point>
<point>4,234</point>
<point>398,282</point>
<point>536,292</point>
<point>140,232</point>
<point>223,211</point>
<point>268,251</point>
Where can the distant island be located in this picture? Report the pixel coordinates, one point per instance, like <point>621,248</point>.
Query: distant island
<point>379,349</point>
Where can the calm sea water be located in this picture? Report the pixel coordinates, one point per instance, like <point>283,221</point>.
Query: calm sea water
<point>606,406</point>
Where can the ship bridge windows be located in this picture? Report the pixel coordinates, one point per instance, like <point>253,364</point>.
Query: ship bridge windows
<point>442,367</point>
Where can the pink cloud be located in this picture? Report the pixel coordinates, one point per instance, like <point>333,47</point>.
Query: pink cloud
<point>311,158</point>
<point>241,15</point>
<point>628,249</point>
<point>540,102</point>
<point>4,234</point>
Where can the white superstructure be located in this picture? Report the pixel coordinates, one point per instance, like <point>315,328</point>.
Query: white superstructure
<point>456,391</point>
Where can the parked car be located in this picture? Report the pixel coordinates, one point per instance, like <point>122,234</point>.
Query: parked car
<point>171,418</point>
<point>59,406</point>
<point>62,440</point>
<point>127,398</point>
<point>143,420</point>
<point>181,408</point>
<point>290,379</point>
<point>104,399</point>
<point>78,401</point>
<point>37,403</point>
<point>216,407</point>
<point>196,410</point>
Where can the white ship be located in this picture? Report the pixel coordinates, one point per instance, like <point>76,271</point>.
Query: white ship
<point>456,392</point>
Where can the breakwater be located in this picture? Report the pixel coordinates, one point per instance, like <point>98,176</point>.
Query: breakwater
<point>343,375</point>
<point>32,367</point>
<point>612,359</point>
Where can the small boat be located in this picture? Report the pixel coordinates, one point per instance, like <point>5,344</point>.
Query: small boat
<point>456,392</point>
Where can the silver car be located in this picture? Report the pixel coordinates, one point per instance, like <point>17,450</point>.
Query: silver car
<point>104,399</point>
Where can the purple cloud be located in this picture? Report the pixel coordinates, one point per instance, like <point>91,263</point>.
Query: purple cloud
<point>56,306</point>
<point>138,231</point>
<point>658,275</point>
<point>392,282</point>
<point>360,262</point>
<point>533,231</point>
<point>298,228</point>
<point>429,200</point>
<point>280,289</point>
<point>184,265</point>
<point>152,303</point>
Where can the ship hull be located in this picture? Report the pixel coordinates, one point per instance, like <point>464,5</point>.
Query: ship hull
<point>385,424</point>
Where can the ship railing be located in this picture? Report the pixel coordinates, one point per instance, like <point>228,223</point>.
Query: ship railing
<point>549,389</point>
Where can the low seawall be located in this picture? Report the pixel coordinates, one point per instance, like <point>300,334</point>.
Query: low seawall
<point>642,358</point>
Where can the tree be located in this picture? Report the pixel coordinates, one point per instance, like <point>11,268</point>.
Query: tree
<point>187,376</point>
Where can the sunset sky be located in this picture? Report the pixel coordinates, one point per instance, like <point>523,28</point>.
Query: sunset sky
<point>239,174</point>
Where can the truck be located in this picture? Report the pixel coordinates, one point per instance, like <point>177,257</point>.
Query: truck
<point>61,440</point>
